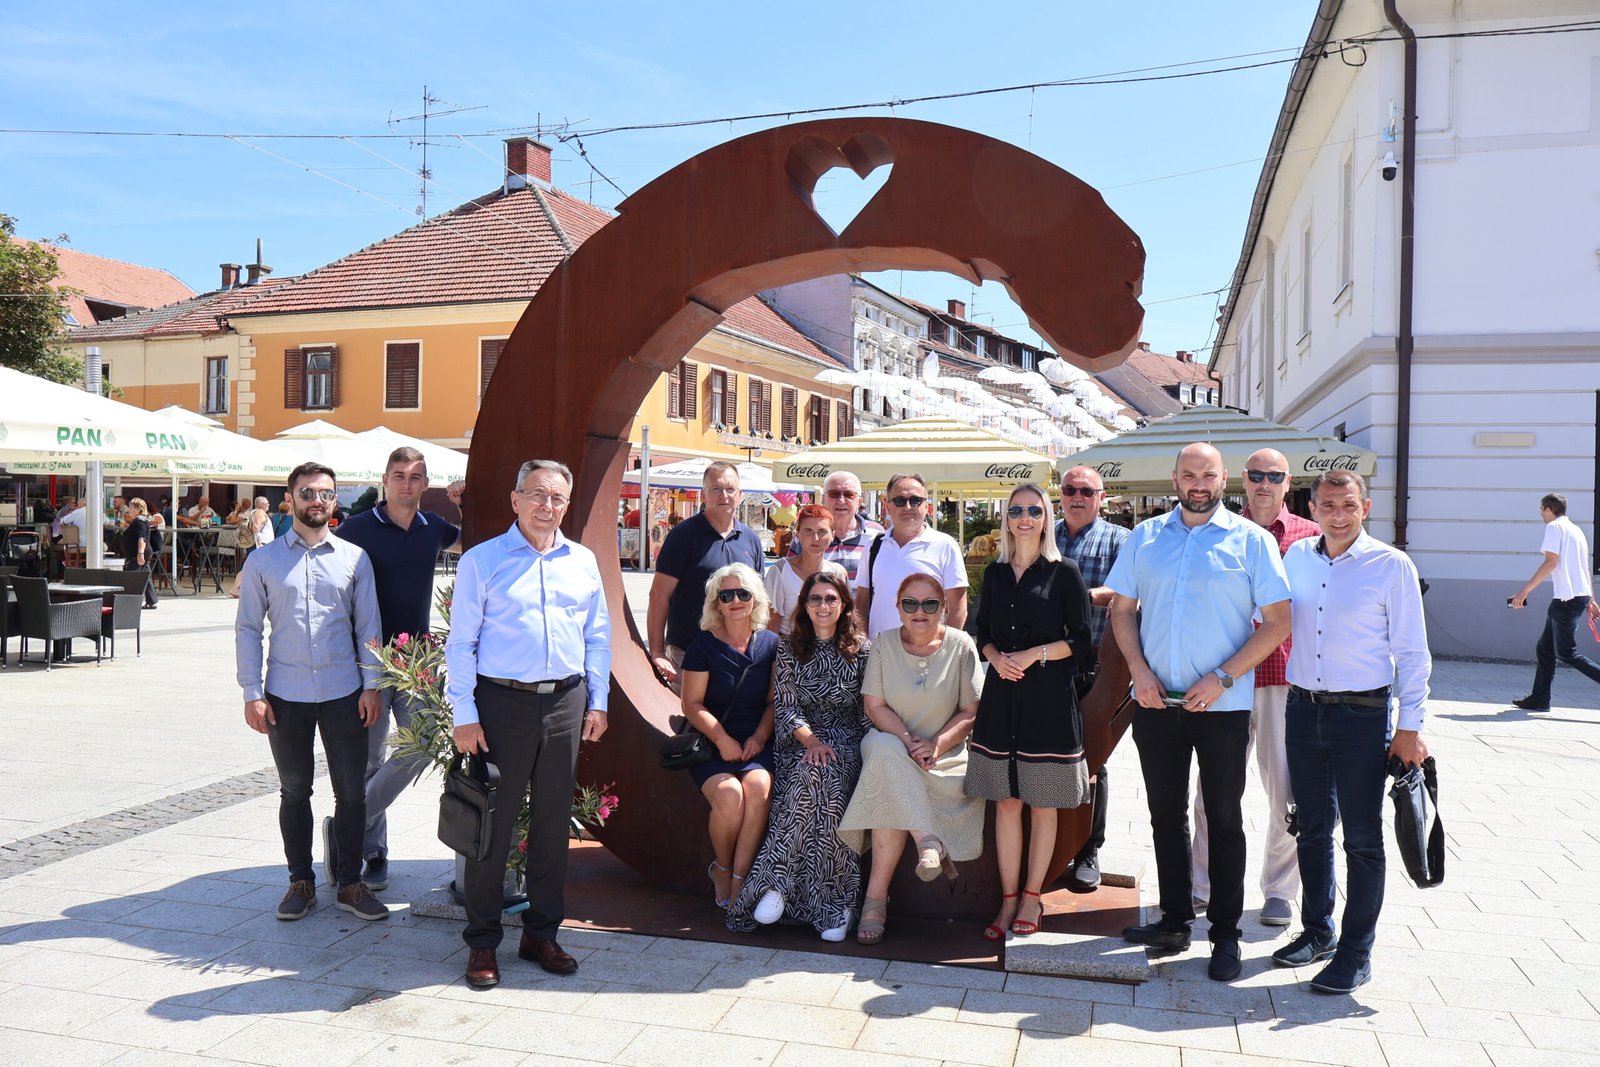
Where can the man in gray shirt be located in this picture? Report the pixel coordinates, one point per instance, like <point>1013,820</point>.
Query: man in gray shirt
<point>321,674</point>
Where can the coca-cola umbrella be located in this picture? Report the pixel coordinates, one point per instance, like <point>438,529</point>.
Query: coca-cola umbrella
<point>956,458</point>
<point>1140,462</point>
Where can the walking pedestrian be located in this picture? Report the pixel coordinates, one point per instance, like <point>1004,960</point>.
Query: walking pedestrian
<point>1566,564</point>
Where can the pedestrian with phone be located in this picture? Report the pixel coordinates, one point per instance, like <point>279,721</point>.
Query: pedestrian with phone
<point>1566,564</point>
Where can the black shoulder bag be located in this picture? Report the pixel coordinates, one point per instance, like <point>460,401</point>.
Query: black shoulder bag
<point>466,810</point>
<point>687,747</point>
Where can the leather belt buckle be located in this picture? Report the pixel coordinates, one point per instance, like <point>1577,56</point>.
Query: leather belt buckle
<point>546,688</point>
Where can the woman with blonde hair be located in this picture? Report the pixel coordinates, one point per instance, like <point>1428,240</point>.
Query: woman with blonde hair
<point>921,690</point>
<point>727,696</point>
<point>1027,742</point>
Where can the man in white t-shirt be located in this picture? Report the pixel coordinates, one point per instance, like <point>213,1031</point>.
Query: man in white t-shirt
<point>1566,563</point>
<point>911,546</point>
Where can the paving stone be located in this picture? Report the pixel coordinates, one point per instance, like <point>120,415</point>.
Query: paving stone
<point>293,1043</point>
<point>1320,1044</point>
<point>552,1034</point>
<point>763,983</point>
<point>1560,1035</point>
<point>821,1056</point>
<point>689,1011</point>
<point>419,1016</point>
<point>944,974</point>
<point>53,969</point>
<point>1533,1057</point>
<point>1205,997</point>
<point>396,974</point>
<point>1433,1051</point>
<point>714,951</point>
<point>990,1046</point>
<point>1160,1026</point>
<point>411,1052</point>
<point>174,1028</point>
<point>1036,1049</point>
<point>41,1047</point>
<point>57,1011</point>
<point>662,972</point>
<point>1079,956</point>
<point>1498,996</point>
<point>805,1024</point>
<point>1021,1012</point>
<point>1201,1058</point>
<point>659,1046</point>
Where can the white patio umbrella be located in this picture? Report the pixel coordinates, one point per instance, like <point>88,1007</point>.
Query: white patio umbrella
<point>42,420</point>
<point>445,465</point>
<point>352,457</point>
<point>690,474</point>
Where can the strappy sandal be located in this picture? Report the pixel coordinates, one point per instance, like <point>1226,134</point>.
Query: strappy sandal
<point>870,931</point>
<point>1022,927</point>
<point>711,873</point>
<point>933,860</point>
<point>994,931</point>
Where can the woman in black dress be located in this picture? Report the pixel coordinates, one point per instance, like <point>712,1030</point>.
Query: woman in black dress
<point>139,546</point>
<point>1027,743</point>
<point>727,696</point>
<point>804,873</point>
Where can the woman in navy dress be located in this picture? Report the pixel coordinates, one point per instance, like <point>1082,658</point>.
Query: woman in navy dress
<point>727,696</point>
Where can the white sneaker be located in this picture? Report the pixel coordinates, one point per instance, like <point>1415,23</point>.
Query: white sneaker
<point>837,933</point>
<point>769,909</point>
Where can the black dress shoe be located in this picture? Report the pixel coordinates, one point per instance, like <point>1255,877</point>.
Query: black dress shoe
<point>1158,935</point>
<point>1085,873</point>
<point>1224,966</point>
<point>1529,704</point>
<point>547,954</point>
<point>483,970</point>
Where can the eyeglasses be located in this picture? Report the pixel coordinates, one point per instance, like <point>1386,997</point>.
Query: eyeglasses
<point>1078,490</point>
<point>841,494</point>
<point>555,500</point>
<point>723,490</point>
<point>1016,511</point>
<point>908,501</point>
<point>727,596</point>
<point>823,600</point>
<point>912,606</point>
<point>1275,477</point>
<point>327,496</point>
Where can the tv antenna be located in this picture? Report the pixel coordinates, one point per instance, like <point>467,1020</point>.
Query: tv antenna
<point>424,174</point>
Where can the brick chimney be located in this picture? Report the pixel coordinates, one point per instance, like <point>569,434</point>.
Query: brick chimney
<point>958,308</point>
<point>1144,346</point>
<point>1185,357</point>
<point>230,275</point>
<point>526,160</point>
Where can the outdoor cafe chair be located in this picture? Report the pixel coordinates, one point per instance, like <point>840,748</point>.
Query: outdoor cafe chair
<point>48,621</point>
<point>126,610</point>
<point>8,615</point>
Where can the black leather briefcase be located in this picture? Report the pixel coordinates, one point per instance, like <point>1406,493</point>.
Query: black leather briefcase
<point>466,810</point>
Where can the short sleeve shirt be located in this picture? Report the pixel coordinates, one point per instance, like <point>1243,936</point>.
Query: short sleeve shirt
<point>402,563</point>
<point>1571,577</point>
<point>930,552</point>
<point>692,552</point>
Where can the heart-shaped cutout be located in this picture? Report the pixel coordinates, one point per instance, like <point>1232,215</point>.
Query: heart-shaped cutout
<point>839,181</point>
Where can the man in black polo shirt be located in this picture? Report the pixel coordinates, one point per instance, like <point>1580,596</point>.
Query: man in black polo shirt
<point>695,548</point>
<point>403,543</point>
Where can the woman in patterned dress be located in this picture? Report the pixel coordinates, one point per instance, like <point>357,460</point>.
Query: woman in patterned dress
<point>921,692</point>
<point>1027,743</point>
<point>804,874</point>
<point>727,696</point>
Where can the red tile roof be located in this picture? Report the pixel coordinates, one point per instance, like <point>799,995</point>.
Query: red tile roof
<point>204,314</point>
<point>1166,370</point>
<point>499,247</point>
<point>112,281</point>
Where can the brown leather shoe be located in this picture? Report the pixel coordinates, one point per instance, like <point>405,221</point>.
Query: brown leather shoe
<point>547,954</point>
<point>483,970</point>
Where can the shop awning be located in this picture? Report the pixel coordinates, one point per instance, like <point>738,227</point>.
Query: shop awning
<point>953,456</point>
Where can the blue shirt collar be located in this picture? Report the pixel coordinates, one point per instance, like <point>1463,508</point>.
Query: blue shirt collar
<point>292,535</point>
<point>380,511</point>
<point>1220,516</point>
<point>515,542</point>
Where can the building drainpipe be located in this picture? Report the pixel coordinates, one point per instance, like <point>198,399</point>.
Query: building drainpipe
<point>1405,341</point>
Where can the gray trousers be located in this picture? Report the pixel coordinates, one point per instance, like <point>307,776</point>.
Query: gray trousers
<point>387,776</point>
<point>533,740</point>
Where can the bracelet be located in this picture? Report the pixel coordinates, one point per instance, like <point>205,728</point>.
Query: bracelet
<point>1044,653</point>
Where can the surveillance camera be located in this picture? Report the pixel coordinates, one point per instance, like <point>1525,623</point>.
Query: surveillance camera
<point>1389,167</point>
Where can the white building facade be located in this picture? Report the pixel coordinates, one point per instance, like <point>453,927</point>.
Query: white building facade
<point>1505,374</point>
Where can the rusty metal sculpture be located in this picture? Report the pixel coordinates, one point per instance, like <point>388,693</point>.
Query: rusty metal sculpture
<point>736,219</point>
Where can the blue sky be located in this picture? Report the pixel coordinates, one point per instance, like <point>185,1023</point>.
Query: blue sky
<point>1177,159</point>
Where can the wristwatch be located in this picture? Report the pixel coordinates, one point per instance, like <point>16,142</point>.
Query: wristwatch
<point>1225,678</point>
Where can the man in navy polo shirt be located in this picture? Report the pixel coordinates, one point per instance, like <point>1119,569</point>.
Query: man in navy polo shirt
<point>693,549</point>
<point>403,543</point>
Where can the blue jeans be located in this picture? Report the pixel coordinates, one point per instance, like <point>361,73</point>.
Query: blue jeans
<point>1557,643</point>
<point>1338,766</point>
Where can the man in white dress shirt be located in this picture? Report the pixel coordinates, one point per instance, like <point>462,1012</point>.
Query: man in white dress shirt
<point>1566,564</point>
<point>1359,643</point>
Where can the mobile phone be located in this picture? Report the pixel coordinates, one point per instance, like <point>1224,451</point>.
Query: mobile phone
<point>1174,699</point>
<point>1509,599</point>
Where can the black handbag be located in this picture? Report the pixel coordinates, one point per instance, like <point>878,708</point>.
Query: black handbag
<point>1418,830</point>
<point>687,747</point>
<point>466,809</point>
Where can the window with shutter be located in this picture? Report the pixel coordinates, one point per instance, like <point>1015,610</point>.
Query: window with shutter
<point>320,378</point>
<point>333,377</point>
<point>846,420</point>
<point>730,401</point>
<point>294,379</point>
<point>691,390</point>
<point>488,357</point>
<point>716,388</point>
<point>791,412</point>
<point>755,405</point>
<point>675,391</point>
<point>402,374</point>
<point>766,407</point>
<point>818,431</point>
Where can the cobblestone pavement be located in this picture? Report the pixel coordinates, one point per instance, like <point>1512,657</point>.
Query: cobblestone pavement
<point>141,863</point>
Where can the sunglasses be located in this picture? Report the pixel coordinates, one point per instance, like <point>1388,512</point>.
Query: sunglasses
<point>908,501</point>
<point>1078,490</point>
<point>817,601</point>
<point>1275,477</point>
<point>841,494</point>
<point>912,606</point>
<point>1016,511</point>
<point>327,496</point>
<point>727,596</point>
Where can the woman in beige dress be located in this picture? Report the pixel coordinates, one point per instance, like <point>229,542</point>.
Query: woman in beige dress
<point>921,690</point>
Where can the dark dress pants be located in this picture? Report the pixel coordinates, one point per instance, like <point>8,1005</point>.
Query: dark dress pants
<point>149,590</point>
<point>344,739</point>
<point>1168,739</point>
<point>1558,643</point>
<point>1102,791</point>
<point>533,740</point>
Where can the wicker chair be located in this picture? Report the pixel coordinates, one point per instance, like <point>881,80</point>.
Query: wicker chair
<point>127,607</point>
<point>9,621</point>
<point>49,622</point>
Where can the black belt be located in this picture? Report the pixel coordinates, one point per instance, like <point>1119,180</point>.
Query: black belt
<point>1361,698</point>
<point>558,685</point>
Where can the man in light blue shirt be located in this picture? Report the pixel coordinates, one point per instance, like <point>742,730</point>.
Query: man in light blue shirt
<point>1188,586</point>
<point>529,651</point>
<point>321,675</point>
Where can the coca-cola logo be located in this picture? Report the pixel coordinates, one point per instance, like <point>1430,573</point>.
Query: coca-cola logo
<point>1020,472</point>
<point>1326,461</point>
<point>1110,469</point>
<point>810,470</point>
